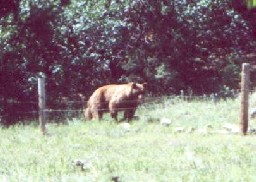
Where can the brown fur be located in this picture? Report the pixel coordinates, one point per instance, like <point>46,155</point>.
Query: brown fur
<point>114,98</point>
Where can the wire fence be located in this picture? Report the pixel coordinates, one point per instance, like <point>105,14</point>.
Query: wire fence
<point>65,108</point>
<point>62,109</point>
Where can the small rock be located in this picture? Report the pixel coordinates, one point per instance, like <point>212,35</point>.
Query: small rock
<point>125,126</point>
<point>231,128</point>
<point>203,131</point>
<point>165,121</point>
<point>78,162</point>
<point>252,130</point>
<point>83,164</point>
<point>253,113</point>
<point>191,130</point>
<point>179,130</point>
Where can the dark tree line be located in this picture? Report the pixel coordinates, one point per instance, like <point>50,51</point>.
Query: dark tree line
<point>192,45</point>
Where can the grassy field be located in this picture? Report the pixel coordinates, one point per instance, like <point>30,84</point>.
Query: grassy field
<point>144,151</point>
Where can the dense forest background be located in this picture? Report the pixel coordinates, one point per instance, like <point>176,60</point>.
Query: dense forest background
<point>193,45</point>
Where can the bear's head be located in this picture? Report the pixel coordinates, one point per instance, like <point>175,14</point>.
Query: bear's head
<point>138,90</point>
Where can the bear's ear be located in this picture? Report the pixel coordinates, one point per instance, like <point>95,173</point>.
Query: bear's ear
<point>145,84</point>
<point>133,84</point>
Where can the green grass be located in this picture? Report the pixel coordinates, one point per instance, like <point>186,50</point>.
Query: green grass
<point>145,152</point>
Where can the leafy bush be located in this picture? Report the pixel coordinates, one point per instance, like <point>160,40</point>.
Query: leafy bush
<point>80,45</point>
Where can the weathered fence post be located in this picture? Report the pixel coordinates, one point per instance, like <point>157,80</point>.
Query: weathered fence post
<point>41,104</point>
<point>245,80</point>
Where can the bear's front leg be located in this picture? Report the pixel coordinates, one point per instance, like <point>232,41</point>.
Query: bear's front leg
<point>100,114</point>
<point>114,115</point>
<point>88,113</point>
<point>128,114</point>
<point>113,110</point>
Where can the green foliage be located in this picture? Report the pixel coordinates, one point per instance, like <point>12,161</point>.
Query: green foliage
<point>80,45</point>
<point>251,3</point>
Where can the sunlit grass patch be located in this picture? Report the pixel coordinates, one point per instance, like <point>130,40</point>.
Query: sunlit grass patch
<point>142,151</point>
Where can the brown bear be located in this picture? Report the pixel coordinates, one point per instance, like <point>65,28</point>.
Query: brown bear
<point>114,98</point>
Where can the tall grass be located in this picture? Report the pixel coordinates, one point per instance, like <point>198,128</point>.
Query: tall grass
<point>194,113</point>
<point>144,152</point>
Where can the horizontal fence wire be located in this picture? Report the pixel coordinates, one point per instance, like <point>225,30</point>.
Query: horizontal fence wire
<point>59,110</point>
<point>68,106</point>
<point>146,99</point>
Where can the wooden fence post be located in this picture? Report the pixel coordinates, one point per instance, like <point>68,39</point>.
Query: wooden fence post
<point>245,80</point>
<point>41,104</point>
